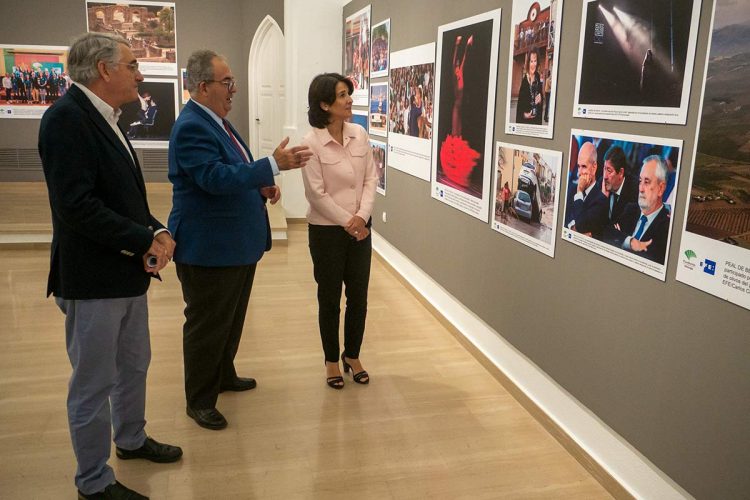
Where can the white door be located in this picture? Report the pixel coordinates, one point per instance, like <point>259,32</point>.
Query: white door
<point>267,93</point>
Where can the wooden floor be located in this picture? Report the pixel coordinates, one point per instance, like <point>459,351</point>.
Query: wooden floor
<point>432,424</point>
<point>25,214</point>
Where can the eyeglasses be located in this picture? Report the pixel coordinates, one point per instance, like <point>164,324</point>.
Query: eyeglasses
<point>133,67</point>
<point>230,84</point>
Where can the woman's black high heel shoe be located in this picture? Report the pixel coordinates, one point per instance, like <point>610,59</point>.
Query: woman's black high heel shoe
<point>336,382</point>
<point>360,377</point>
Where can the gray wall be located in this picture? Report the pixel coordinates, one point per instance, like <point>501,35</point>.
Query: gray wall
<point>663,364</point>
<point>226,26</point>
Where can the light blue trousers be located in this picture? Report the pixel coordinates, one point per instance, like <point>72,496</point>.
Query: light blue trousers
<point>109,348</point>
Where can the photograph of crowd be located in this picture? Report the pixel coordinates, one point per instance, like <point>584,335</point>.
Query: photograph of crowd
<point>526,188</point>
<point>378,156</point>
<point>634,54</point>
<point>411,98</point>
<point>357,54</point>
<point>379,109</point>
<point>533,74</point>
<point>149,27</point>
<point>621,191</point>
<point>411,84</point>
<point>717,220</point>
<point>465,93</point>
<point>381,34</point>
<point>148,121</point>
<point>32,78</point>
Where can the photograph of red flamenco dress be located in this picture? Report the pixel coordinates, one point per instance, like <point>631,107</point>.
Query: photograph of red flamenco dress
<point>458,160</point>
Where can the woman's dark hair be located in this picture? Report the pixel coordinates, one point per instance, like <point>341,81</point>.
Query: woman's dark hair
<point>323,90</point>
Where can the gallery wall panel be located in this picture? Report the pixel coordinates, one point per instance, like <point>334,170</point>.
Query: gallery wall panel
<point>662,364</point>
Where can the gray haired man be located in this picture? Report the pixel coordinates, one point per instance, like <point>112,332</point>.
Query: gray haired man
<point>106,247</point>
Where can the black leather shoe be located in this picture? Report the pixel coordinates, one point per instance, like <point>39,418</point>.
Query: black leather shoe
<point>210,418</point>
<point>152,450</point>
<point>240,384</point>
<point>115,491</point>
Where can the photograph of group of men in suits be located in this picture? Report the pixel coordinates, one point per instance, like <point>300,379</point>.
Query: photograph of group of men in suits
<point>621,192</point>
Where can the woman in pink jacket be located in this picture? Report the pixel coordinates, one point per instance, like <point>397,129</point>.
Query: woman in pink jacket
<point>340,181</point>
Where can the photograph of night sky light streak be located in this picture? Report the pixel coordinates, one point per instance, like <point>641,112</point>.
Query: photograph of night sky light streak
<point>633,60</point>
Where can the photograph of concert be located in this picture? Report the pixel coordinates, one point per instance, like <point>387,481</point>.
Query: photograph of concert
<point>634,52</point>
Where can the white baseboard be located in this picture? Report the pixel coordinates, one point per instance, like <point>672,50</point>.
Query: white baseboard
<point>635,473</point>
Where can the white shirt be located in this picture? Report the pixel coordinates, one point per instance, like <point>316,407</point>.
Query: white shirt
<point>109,114</point>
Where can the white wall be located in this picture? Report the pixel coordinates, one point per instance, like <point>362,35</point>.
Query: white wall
<point>313,31</point>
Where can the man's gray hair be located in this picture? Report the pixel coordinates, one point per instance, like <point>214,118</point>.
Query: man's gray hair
<point>87,50</point>
<point>200,68</point>
<point>661,167</point>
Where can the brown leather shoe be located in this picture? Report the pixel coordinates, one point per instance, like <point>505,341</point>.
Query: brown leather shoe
<point>152,450</point>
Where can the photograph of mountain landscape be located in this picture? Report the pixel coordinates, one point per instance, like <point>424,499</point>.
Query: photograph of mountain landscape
<point>719,203</point>
<point>715,245</point>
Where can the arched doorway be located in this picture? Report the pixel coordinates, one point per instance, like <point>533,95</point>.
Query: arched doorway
<point>266,92</point>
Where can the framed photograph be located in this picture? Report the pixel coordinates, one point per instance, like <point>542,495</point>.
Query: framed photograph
<point>150,27</point>
<point>412,100</point>
<point>466,72</point>
<point>379,157</point>
<point>635,60</point>
<point>527,194</point>
<point>357,54</point>
<point>620,197</point>
<point>379,109</point>
<point>715,245</point>
<point>381,36</point>
<point>33,78</point>
<point>148,121</point>
<point>532,67</point>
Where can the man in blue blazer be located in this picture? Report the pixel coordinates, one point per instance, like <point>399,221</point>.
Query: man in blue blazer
<point>220,224</point>
<point>103,240</point>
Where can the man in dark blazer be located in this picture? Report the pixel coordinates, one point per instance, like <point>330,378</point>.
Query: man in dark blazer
<point>643,227</point>
<point>220,224</point>
<point>106,247</point>
<point>586,210</point>
<point>618,186</point>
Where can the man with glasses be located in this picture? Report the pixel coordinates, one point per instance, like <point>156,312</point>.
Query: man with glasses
<point>220,223</point>
<point>587,210</point>
<point>106,247</point>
